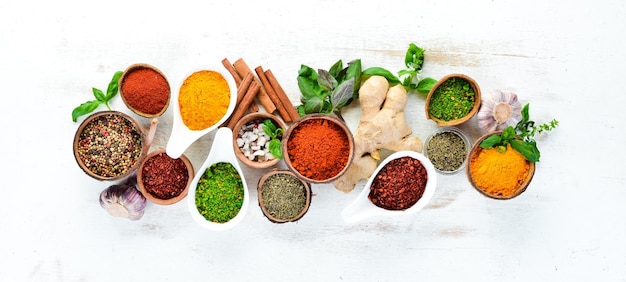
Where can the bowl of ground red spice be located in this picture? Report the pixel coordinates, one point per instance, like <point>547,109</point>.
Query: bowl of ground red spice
<point>318,148</point>
<point>453,100</point>
<point>145,90</point>
<point>402,184</point>
<point>283,197</point>
<point>164,180</point>
<point>499,172</point>
<point>109,145</point>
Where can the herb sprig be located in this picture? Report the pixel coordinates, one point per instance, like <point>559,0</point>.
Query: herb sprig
<point>414,60</point>
<point>521,137</point>
<point>101,98</point>
<point>275,133</point>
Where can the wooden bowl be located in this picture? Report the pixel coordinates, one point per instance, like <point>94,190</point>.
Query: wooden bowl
<point>140,177</point>
<point>83,157</point>
<point>124,78</point>
<point>313,117</point>
<point>473,111</point>
<point>307,191</point>
<point>522,186</point>
<point>247,119</point>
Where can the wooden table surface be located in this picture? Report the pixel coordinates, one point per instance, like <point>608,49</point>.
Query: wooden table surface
<point>564,58</point>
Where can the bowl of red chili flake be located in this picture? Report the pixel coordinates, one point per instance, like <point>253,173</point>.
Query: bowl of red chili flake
<point>109,145</point>
<point>164,180</point>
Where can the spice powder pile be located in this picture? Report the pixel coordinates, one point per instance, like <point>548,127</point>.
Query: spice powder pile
<point>146,91</point>
<point>164,177</point>
<point>109,145</point>
<point>399,184</point>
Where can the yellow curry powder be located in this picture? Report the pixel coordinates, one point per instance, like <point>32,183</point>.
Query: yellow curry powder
<point>203,99</point>
<point>498,174</point>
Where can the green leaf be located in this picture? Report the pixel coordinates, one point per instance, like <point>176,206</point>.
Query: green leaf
<point>113,86</point>
<point>301,111</point>
<point>527,149</point>
<point>313,105</point>
<point>308,88</point>
<point>381,72</point>
<point>269,128</point>
<point>414,58</point>
<point>354,71</point>
<point>84,109</point>
<point>491,141</point>
<point>275,148</point>
<point>98,94</point>
<point>325,80</point>
<point>336,68</point>
<point>342,95</point>
<point>508,134</point>
<point>426,84</point>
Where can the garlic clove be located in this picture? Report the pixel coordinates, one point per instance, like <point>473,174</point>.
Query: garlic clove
<point>123,201</point>
<point>500,110</point>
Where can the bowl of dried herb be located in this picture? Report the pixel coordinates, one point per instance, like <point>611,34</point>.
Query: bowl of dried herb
<point>109,145</point>
<point>447,148</point>
<point>453,100</point>
<point>283,197</point>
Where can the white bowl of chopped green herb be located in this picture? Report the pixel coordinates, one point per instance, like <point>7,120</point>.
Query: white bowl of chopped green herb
<point>453,100</point>
<point>218,196</point>
<point>447,148</point>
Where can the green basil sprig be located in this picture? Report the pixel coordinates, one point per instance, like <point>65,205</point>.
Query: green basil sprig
<point>275,133</point>
<point>413,61</point>
<point>101,98</point>
<point>520,137</point>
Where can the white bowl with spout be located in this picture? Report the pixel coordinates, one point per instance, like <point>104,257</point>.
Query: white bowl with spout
<point>363,208</point>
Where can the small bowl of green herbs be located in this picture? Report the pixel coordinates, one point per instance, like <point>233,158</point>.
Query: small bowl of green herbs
<point>447,148</point>
<point>453,100</point>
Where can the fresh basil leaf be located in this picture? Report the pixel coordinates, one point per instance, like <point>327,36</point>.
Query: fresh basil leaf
<point>301,111</point>
<point>490,141</point>
<point>275,148</point>
<point>414,58</point>
<point>308,87</point>
<point>426,84</point>
<point>314,104</point>
<point>342,95</point>
<point>527,149</point>
<point>354,71</point>
<point>508,134</point>
<point>98,94</point>
<point>336,68</point>
<point>381,72</point>
<point>325,80</point>
<point>113,86</point>
<point>269,128</point>
<point>84,109</point>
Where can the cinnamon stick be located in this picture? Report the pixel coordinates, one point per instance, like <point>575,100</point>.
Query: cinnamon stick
<point>242,68</point>
<point>247,99</point>
<point>282,95</point>
<point>270,92</point>
<point>241,91</point>
<point>238,80</point>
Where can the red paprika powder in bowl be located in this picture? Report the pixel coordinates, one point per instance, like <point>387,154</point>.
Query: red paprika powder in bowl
<point>145,90</point>
<point>164,180</point>
<point>318,148</point>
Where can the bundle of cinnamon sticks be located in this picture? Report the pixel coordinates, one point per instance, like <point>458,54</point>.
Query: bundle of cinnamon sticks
<point>264,87</point>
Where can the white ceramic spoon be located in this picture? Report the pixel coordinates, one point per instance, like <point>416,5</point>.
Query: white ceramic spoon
<point>221,151</point>
<point>363,208</point>
<point>182,137</point>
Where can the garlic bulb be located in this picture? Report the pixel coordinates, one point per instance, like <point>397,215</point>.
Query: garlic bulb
<point>499,111</point>
<point>123,201</point>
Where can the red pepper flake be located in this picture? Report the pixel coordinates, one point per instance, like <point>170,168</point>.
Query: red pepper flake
<point>399,184</point>
<point>164,177</point>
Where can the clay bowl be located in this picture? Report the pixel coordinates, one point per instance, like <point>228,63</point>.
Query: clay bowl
<point>190,173</point>
<point>317,151</point>
<point>307,191</point>
<point>522,186</point>
<point>257,117</point>
<point>127,76</point>
<point>99,170</point>
<point>473,111</point>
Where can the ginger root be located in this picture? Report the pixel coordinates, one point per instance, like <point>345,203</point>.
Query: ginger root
<point>382,126</point>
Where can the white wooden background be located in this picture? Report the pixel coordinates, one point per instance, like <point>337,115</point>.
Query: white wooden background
<point>565,58</point>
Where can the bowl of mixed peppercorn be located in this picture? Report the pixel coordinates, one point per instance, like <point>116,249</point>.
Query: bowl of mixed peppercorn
<point>453,100</point>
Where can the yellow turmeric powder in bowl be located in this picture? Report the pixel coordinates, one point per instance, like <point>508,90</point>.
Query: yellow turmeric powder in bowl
<point>203,99</point>
<point>499,175</point>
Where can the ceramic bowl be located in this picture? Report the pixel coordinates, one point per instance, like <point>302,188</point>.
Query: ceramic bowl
<point>82,157</point>
<point>182,136</point>
<point>190,173</point>
<point>522,186</point>
<point>307,192</point>
<point>458,132</point>
<point>311,118</point>
<point>123,79</point>
<point>363,208</point>
<point>473,111</point>
<point>257,117</point>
